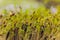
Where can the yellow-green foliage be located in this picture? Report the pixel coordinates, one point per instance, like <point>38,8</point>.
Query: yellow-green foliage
<point>40,24</point>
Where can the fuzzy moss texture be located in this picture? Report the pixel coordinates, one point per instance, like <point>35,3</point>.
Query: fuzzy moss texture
<point>40,24</point>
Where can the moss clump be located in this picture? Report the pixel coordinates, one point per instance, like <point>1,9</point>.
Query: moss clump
<point>38,25</point>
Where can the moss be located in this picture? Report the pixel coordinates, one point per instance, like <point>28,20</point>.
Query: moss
<point>40,22</point>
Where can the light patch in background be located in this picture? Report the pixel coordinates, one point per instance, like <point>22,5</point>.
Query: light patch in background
<point>1,1</point>
<point>10,7</point>
<point>35,5</point>
<point>53,10</point>
<point>28,5</point>
<point>25,5</point>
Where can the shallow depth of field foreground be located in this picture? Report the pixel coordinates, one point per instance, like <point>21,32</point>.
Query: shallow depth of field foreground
<point>30,20</point>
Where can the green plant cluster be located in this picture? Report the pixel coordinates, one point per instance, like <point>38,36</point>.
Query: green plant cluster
<point>37,25</point>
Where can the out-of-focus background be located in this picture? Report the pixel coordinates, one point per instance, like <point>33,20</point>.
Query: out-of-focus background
<point>52,5</point>
<point>11,4</point>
